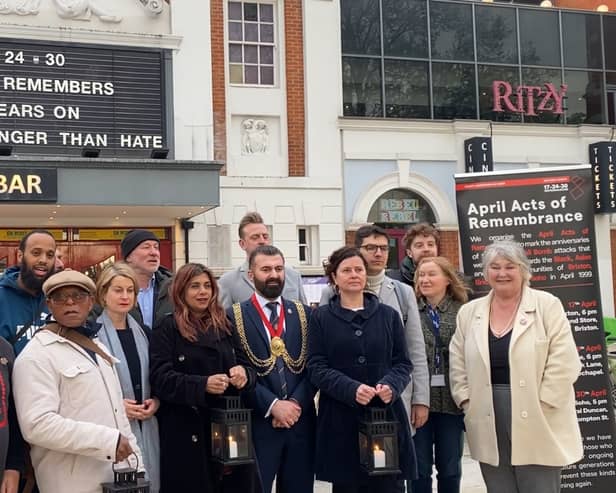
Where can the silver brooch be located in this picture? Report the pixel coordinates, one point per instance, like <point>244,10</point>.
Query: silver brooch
<point>289,311</point>
<point>4,361</point>
<point>523,321</point>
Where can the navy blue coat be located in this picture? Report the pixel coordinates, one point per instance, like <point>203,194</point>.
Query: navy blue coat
<point>345,349</point>
<point>268,439</point>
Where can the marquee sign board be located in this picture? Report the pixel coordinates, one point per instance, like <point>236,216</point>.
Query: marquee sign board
<point>56,99</point>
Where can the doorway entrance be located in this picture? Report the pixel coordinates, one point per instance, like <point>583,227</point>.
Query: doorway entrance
<point>87,250</point>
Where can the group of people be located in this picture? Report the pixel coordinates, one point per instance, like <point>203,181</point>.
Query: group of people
<point>129,368</point>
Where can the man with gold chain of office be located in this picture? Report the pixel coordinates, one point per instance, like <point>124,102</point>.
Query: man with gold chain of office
<point>273,333</point>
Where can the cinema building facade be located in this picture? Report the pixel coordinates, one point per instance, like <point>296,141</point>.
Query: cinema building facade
<point>419,78</point>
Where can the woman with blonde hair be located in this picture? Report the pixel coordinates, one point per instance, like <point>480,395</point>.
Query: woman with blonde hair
<point>116,291</point>
<point>513,363</point>
<point>440,441</point>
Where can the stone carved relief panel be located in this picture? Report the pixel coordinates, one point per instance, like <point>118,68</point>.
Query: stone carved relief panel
<point>254,136</point>
<point>105,11</point>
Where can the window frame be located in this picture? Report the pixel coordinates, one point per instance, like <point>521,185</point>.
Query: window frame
<point>274,44</point>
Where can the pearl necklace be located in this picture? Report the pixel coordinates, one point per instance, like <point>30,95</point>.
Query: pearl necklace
<point>509,325</point>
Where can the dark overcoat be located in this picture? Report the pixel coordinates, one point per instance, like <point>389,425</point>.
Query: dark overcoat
<point>179,370</point>
<point>345,349</point>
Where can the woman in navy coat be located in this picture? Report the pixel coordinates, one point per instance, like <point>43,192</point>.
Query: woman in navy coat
<point>357,356</point>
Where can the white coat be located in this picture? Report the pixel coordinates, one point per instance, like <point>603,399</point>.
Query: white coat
<point>544,364</point>
<point>71,411</point>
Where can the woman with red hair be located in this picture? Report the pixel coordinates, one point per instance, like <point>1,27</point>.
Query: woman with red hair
<point>195,359</point>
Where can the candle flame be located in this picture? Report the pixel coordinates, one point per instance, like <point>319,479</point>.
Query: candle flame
<point>376,448</point>
<point>230,438</point>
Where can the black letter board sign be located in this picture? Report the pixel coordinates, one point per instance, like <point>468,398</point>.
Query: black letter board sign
<point>56,99</point>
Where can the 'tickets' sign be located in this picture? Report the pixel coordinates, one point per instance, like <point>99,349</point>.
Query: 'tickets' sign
<point>528,99</point>
<point>550,212</point>
<point>602,156</point>
<point>29,185</point>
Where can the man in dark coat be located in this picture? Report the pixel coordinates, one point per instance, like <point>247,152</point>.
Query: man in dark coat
<point>273,333</point>
<point>421,240</point>
<point>141,250</point>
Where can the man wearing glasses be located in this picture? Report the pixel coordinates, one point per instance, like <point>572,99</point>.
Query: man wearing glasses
<point>373,244</point>
<point>68,397</point>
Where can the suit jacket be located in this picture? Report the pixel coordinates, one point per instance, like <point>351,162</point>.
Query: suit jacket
<point>268,387</point>
<point>544,363</point>
<point>235,286</point>
<point>418,391</point>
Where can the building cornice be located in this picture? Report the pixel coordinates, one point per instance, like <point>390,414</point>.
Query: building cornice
<point>474,127</point>
<point>107,163</point>
<point>89,36</point>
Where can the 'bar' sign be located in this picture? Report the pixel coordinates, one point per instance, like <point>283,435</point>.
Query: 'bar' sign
<point>28,185</point>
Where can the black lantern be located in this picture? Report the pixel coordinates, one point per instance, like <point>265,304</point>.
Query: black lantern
<point>378,442</point>
<point>127,480</point>
<point>231,432</point>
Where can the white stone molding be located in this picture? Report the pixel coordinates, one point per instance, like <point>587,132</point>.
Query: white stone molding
<point>444,214</point>
<point>83,9</point>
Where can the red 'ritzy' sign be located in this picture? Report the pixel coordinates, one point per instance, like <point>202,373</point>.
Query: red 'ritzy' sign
<point>525,98</point>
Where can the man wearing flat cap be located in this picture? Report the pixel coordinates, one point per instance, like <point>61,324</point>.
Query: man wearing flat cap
<point>141,250</point>
<point>68,397</point>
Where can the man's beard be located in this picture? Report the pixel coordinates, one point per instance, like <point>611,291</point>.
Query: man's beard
<point>31,281</point>
<point>269,290</point>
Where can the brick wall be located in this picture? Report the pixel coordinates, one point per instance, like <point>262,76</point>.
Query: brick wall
<point>217,36</point>
<point>450,247</point>
<point>294,60</point>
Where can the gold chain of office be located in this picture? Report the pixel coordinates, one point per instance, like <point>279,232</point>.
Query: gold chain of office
<point>267,365</point>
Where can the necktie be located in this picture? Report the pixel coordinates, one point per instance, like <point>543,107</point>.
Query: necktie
<point>273,308</point>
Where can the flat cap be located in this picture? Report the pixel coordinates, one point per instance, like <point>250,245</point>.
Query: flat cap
<point>68,277</point>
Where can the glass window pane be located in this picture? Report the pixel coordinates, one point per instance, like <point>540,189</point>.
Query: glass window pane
<point>405,28</point>
<point>539,38</point>
<point>496,34</point>
<point>538,78</point>
<point>266,11</point>
<point>267,33</point>
<point>251,32</point>
<point>488,75</point>
<point>610,78</point>
<point>235,10</point>
<point>361,31</point>
<point>581,40</point>
<point>453,90</point>
<point>267,54</point>
<point>407,94</point>
<point>235,53</point>
<point>236,74</point>
<point>251,74</point>
<point>451,31</point>
<point>251,54</point>
<point>584,101</point>
<point>267,75</point>
<point>609,34</point>
<point>235,31</point>
<point>250,12</point>
<point>361,86</point>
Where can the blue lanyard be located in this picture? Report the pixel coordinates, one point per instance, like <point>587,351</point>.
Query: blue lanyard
<point>436,330</point>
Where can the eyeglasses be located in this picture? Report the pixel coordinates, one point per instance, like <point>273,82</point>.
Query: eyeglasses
<point>76,296</point>
<point>374,248</point>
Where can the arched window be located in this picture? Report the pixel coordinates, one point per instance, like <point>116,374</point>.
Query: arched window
<point>400,208</point>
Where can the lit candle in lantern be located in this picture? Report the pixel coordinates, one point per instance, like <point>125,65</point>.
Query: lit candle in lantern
<point>379,457</point>
<point>232,448</point>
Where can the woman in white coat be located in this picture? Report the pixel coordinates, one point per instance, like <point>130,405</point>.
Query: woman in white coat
<point>513,362</point>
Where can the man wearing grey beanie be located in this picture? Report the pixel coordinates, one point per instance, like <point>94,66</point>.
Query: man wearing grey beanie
<point>141,250</point>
